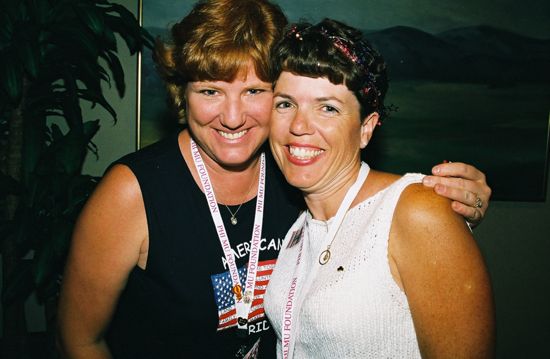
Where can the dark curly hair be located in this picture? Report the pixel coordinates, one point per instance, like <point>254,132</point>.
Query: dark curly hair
<point>339,53</point>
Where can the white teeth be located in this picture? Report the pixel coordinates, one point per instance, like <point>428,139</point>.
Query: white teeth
<point>304,153</point>
<point>232,136</point>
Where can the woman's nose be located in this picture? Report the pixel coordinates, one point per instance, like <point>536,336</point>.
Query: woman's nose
<point>233,115</point>
<point>300,124</point>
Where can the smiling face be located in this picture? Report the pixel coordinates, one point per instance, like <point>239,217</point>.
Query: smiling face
<point>230,120</point>
<point>316,132</point>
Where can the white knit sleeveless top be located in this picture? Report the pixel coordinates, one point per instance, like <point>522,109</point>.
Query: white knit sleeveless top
<point>354,308</point>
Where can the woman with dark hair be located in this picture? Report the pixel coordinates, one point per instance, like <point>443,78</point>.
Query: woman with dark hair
<point>172,253</point>
<point>378,266</point>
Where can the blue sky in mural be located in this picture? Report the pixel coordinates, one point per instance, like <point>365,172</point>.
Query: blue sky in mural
<point>529,17</point>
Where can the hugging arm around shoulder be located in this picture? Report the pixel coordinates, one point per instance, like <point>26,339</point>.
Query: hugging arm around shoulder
<point>442,272</point>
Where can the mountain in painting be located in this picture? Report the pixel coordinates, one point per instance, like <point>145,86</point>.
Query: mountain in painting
<point>480,54</point>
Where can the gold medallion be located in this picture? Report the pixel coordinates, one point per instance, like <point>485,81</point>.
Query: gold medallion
<point>324,257</point>
<point>238,291</point>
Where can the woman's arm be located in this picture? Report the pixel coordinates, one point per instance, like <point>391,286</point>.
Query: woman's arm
<point>110,238</point>
<point>437,263</point>
<point>463,184</point>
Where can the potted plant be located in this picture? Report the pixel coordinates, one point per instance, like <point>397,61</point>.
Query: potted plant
<point>54,57</point>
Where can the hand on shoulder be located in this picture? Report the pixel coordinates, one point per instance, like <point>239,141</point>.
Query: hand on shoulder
<point>421,209</point>
<point>465,185</point>
<point>425,230</point>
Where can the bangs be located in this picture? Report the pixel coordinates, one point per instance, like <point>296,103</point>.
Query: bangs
<point>315,58</point>
<point>226,64</point>
<point>339,53</point>
<point>316,69</point>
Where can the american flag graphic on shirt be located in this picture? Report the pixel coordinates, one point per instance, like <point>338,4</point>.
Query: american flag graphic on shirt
<point>222,284</point>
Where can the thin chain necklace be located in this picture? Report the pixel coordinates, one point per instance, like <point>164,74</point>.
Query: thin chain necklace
<point>324,257</point>
<point>301,282</point>
<point>243,299</point>
<point>234,220</point>
<point>234,215</point>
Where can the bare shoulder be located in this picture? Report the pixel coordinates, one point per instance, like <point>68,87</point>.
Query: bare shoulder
<point>377,181</point>
<point>420,205</point>
<point>424,222</point>
<point>113,212</point>
<point>435,260</point>
<point>386,178</point>
<point>109,240</point>
<point>120,183</point>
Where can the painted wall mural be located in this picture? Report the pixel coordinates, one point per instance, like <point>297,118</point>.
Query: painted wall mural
<point>470,81</point>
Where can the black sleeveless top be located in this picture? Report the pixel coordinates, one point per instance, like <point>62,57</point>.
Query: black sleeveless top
<point>181,305</point>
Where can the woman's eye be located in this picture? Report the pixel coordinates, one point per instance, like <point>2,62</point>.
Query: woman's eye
<point>282,105</point>
<point>330,109</point>
<point>255,91</point>
<point>208,92</point>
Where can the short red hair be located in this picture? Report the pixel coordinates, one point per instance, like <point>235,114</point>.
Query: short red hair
<point>216,41</point>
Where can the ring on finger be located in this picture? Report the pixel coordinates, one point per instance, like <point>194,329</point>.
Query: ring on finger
<point>478,203</point>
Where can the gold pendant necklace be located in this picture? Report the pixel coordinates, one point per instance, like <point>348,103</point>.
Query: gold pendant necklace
<point>324,257</point>
<point>234,215</point>
<point>233,219</point>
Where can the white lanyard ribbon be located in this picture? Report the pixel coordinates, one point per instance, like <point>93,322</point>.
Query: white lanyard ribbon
<point>292,305</point>
<point>243,301</point>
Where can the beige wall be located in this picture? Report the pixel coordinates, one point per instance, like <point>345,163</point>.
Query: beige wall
<point>115,140</point>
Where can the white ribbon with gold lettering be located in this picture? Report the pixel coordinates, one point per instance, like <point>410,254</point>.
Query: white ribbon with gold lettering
<point>292,307</point>
<point>243,301</point>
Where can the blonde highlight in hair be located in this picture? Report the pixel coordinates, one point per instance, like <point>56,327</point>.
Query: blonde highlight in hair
<point>216,41</point>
